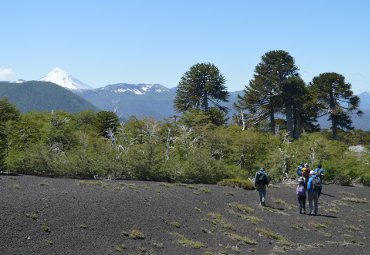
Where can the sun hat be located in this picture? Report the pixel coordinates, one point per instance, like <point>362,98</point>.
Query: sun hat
<point>306,165</point>
<point>312,172</point>
<point>300,179</point>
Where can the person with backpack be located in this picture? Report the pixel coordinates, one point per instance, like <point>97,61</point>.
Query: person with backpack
<point>261,181</point>
<point>312,191</point>
<point>299,169</point>
<point>306,172</point>
<point>301,192</point>
<point>319,172</point>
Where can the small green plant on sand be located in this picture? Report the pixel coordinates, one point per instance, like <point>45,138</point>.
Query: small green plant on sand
<point>317,225</point>
<point>355,199</point>
<point>241,239</point>
<point>352,228</point>
<point>120,248</point>
<point>136,234</point>
<point>46,229</point>
<point>188,242</point>
<point>175,224</point>
<point>242,208</point>
<point>271,234</point>
<point>83,226</point>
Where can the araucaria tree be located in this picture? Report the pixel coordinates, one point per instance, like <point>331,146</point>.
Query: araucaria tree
<point>201,88</point>
<point>264,96</point>
<point>335,99</point>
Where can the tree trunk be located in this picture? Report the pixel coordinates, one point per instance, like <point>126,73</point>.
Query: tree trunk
<point>272,121</point>
<point>289,119</point>
<point>243,120</point>
<point>333,117</point>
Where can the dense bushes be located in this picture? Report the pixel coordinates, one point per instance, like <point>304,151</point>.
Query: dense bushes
<point>92,144</point>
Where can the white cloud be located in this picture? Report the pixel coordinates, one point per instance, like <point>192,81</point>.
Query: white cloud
<point>5,73</point>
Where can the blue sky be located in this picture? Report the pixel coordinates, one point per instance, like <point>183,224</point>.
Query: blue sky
<point>141,41</point>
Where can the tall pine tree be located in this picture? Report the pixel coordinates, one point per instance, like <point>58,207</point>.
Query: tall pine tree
<point>263,97</point>
<point>335,99</point>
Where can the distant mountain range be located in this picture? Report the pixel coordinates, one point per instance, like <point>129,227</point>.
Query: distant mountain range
<point>43,96</point>
<point>149,100</point>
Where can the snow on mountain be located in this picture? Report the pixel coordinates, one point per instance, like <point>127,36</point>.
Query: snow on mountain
<point>20,81</point>
<point>62,78</point>
<point>138,89</point>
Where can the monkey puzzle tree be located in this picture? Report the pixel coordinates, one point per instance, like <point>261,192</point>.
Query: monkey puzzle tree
<point>263,97</point>
<point>203,85</point>
<point>335,99</point>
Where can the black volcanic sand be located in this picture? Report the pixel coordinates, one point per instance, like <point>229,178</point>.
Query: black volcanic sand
<point>66,216</point>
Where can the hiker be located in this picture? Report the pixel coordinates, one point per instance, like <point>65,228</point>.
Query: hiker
<point>301,192</point>
<point>306,172</point>
<point>312,191</point>
<point>261,181</point>
<point>299,169</point>
<point>319,172</point>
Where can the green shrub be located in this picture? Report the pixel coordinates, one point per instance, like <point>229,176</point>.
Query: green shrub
<point>238,182</point>
<point>365,179</point>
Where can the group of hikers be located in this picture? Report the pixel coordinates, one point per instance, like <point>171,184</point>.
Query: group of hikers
<point>309,185</point>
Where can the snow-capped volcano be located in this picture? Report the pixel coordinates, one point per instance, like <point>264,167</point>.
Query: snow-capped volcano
<point>138,89</point>
<point>62,78</point>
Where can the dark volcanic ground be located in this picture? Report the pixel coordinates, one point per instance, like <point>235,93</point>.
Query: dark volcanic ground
<point>65,216</point>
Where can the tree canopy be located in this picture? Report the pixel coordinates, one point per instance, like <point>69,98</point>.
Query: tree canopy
<point>203,85</point>
<point>335,99</point>
<point>263,97</point>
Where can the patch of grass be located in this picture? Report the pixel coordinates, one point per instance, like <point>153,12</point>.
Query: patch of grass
<point>197,209</point>
<point>228,226</point>
<point>46,229</point>
<point>317,225</point>
<point>186,242</point>
<point>297,226</point>
<point>43,184</point>
<point>271,234</point>
<point>90,182</point>
<point>355,199</point>
<point>284,203</point>
<point>348,194</point>
<point>205,190</point>
<point>231,194</point>
<point>352,228</point>
<point>214,218</point>
<point>250,218</point>
<point>237,182</point>
<point>166,185</point>
<point>175,224</point>
<point>241,208</point>
<point>49,242</point>
<point>333,210</point>
<point>158,245</point>
<point>83,226</point>
<point>120,248</point>
<point>136,234</point>
<point>196,192</point>
<point>273,210</point>
<point>31,216</point>
<point>190,186</point>
<point>241,239</point>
